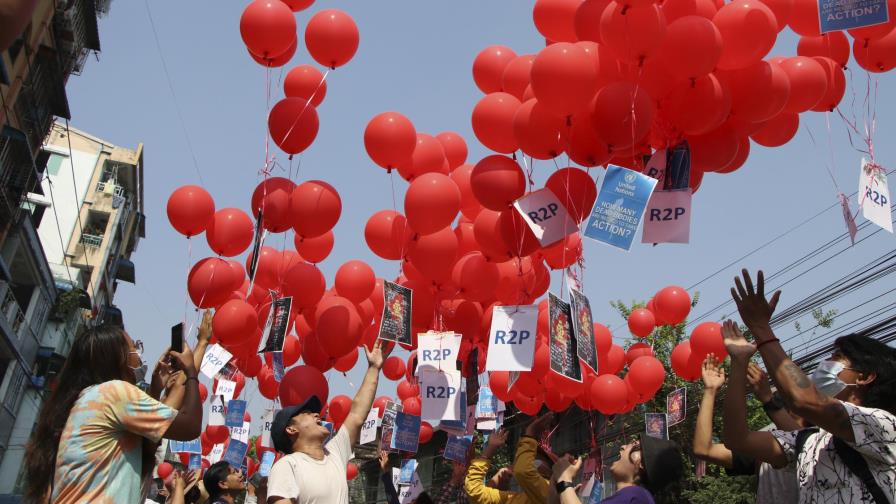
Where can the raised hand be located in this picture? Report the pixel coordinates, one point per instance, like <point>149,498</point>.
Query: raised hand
<point>735,343</point>
<point>495,441</point>
<point>758,381</point>
<point>755,310</point>
<point>713,374</point>
<point>458,471</point>
<point>566,468</point>
<point>384,461</point>
<point>183,361</point>
<point>205,328</point>
<point>375,357</point>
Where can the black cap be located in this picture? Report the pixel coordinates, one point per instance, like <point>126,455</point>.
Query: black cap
<point>662,462</point>
<point>282,418</point>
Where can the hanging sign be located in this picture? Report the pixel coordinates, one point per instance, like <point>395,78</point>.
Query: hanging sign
<point>406,436</point>
<point>546,216</point>
<point>564,355</point>
<point>395,324</point>
<point>836,15</point>
<point>583,327</point>
<point>437,351</point>
<point>874,195</point>
<point>368,428</point>
<point>668,217</point>
<point>214,359</point>
<point>440,394</point>
<point>512,338</point>
<point>620,205</point>
<point>277,324</point>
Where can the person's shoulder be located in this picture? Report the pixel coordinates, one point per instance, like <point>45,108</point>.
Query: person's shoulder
<point>878,415</point>
<point>113,389</point>
<point>289,460</point>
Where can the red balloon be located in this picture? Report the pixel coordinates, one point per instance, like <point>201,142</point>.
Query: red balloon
<point>229,232</point>
<point>804,18</point>
<point>489,65</point>
<point>677,9</point>
<point>314,355</point>
<point>632,33</point>
<point>516,76</point>
<point>355,281</point>
<point>622,115</point>
<point>575,189</point>
<point>555,19</point>
<point>836,85</point>
<point>380,404</point>
<point>567,386</point>
<point>434,255</point>
<point>266,269</point>
<point>743,152</point>
<point>563,78</point>
<point>268,27</point>
<point>306,82</point>
<point>278,60</point>
<point>557,402</point>
<point>537,130</point>
<point>425,432</point>
<point>249,365</point>
<point>431,202</point>
<point>300,383</point>
<point>339,326</point>
<point>714,150</point>
<point>190,209</point>
<point>586,22</point>
<point>641,322</point>
<point>832,45</point>
<point>393,368</point>
<point>564,253</point>
<point>455,148</point>
<point>758,92</point>
<point>497,382</point>
<point>487,231</point>
<point>332,38</point>
<point>386,234</point>
<point>475,276</point>
<point>233,321</point>
<point>339,408</point>
<point>351,471</point>
<point>517,281</point>
<point>345,363</point>
<point>585,146</point>
<point>305,283</point>
<point>390,139</point>
<point>706,339</point>
<point>517,234</point>
<point>808,83</point>
<point>292,350</point>
<point>493,122</point>
<point>217,434</point>
<point>673,304</point>
<point>497,182</point>
<point>692,47</point>
<point>315,206</point>
<point>646,375</point>
<point>608,394</point>
<point>680,360</point>
<point>748,29</point>
<point>877,55</point>
<point>612,362</point>
<point>314,250</point>
<point>164,470</point>
<point>293,124</point>
<point>603,339</point>
<point>271,197</point>
<point>697,106</point>
<point>407,389</point>
<point>203,393</point>
<point>781,9</point>
<point>428,157</point>
<point>469,205</point>
<point>211,282</point>
<point>411,406</point>
<point>638,350</point>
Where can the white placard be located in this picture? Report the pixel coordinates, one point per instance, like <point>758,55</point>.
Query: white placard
<point>437,350</point>
<point>214,359</point>
<point>512,338</point>
<point>216,412</point>
<point>241,433</point>
<point>668,217</point>
<point>440,394</point>
<point>225,389</point>
<point>407,493</point>
<point>266,420</point>
<point>656,167</point>
<point>216,453</point>
<point>368,428</point>
<point>546,216</point>
<point>874,195</point>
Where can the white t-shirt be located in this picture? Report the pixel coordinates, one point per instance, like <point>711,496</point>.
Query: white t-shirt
<point>308,481</point>
<point>824,478</point>
<point>777,485</point>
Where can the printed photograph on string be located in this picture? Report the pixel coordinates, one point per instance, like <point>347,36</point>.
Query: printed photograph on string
<point>564,355</point>
<point>676,406</point>
<point>406,474</point>
<point>260,234</point>
<point>656,425</point>
<point>277,324</point>
<point>583,326</point>
<point>457,447</point>
<point>396,320</point>
<point>406,432</point>
<point>388,425</point>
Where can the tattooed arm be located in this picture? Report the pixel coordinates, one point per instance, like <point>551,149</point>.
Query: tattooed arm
<point>798,392</point>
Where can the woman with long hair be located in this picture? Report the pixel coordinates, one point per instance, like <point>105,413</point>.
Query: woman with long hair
<point>88,444</point>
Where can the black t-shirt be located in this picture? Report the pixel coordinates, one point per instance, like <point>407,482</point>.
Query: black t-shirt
<point>741,465</point>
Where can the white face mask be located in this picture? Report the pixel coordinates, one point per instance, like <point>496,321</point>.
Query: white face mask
<point>140,371</point>
<point>826,379</point>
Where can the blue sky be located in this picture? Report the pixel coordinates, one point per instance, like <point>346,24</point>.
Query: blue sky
<point>415,57</point>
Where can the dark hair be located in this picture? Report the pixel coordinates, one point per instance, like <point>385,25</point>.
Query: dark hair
<point>868,355</point>
<point>98,354</point>
<point>214,475</point>
<point>424,498</point>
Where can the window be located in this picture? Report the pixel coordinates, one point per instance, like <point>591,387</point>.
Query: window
<point>54,163</point>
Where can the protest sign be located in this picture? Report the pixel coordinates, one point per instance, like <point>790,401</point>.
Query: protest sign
<point>406,435</point>
<point>437,350</point>
<point>564,355</point>
<point>214,359</point>
<point>512,338</point>
<point>395,324</point>
<point>583,327</point>
<point>440,394</point>
<point>546,216</point>
<point>836,15</point>
<point>457,447</point>
<point>368,428</point>
<point>236,410</point>
<point>668,217</point>
<point>620,205</point>
<point>874,195</point>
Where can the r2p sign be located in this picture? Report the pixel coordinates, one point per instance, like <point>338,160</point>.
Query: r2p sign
<point>511,342</point>
<point>511,337</point>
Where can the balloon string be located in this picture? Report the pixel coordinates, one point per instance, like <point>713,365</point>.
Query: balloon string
<point>404,231</point>
<point>187,276</point>
<point>826,164</point>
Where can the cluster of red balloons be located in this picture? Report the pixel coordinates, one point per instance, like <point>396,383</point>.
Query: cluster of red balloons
<point>619,78</point>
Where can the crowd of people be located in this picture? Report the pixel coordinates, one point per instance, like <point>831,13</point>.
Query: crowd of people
<point>831,436</point>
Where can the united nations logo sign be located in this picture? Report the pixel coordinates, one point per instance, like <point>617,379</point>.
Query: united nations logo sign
<point>629,178</point>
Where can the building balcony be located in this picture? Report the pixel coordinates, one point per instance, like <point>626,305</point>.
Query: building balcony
<point>109,198</point>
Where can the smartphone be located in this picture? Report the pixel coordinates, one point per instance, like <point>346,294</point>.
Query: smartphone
<point>177,338</point>
<point>255,480</point>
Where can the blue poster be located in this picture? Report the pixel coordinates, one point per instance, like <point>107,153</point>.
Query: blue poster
<point>848,14</point>
<point>487,405</point>
<point>235,454</point>
<point>194,446</point>
<point>267,460</point>
<point>457,447</point>
<point>406,475</point>
<point>277,361</point>
<point>620,206</point>
<point>406,436</point>
<point>236,411</point>
<point>195,461</point>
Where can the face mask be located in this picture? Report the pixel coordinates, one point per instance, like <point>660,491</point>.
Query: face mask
<point>826,380</point>
<point>139,371</point>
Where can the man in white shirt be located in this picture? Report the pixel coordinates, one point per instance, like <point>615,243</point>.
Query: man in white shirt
<point>312,472</point>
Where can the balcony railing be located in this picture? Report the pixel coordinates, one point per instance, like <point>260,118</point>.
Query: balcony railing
<point>91,241</point>
<point>110,188</point>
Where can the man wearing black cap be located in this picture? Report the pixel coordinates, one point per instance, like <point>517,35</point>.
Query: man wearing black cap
<point>311,472</point>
